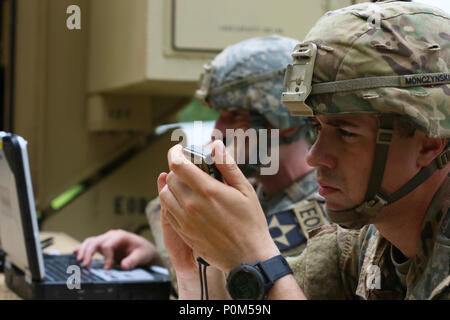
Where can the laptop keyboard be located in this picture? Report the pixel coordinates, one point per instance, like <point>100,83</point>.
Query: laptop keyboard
<point>56,268</point>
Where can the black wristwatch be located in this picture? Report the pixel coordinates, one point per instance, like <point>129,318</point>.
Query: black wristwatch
<point>253,281</point>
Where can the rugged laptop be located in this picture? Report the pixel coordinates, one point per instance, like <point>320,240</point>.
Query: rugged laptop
<point>34,275</point>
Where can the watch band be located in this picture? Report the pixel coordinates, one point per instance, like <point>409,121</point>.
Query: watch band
<point>253,281</point>
<point>274,268</point>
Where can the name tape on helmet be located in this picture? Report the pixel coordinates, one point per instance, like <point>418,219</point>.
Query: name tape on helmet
<point>298,81</point>
<point>425,79</point>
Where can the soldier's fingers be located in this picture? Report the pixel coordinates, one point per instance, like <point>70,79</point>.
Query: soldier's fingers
<point>82,248</point>
<point>171,228</point>
<point>230,171</point>
<point>122,240</point>
<point>91,248</point>
<point>178,188</point>
<point>187,172</point>
<point>170,208</point>
<point>169,217</point>
<point>132,260</point>
<point>161,184</point>
<point>161,181</point>
<point>164,194</point>
<point>190,201</point>
<point>108,249</point>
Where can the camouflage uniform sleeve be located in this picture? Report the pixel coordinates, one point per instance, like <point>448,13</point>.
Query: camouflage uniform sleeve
<point>328,267</point>
<point>316,269</point>
<point>442,292</point>
<point>350,246</point>
<point>153,212</point>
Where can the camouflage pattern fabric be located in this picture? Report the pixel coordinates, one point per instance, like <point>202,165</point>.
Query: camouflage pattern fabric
<point>356,264</point>
<point>245,60</point>
<point>284,226</point>
<point>410,38</point>
<point>301,189</point>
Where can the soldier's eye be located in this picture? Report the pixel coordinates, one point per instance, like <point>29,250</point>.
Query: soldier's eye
<point>346,133</point>
<point>312,132</point>
<point>316,127</point>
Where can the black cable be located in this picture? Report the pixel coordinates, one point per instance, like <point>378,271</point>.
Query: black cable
<point>206,282</point>
<point>203,278</point>
<point>99,176</point>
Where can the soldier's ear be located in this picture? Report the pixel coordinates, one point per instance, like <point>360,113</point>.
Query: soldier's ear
<point>430,148</point>
<point>288,132</point>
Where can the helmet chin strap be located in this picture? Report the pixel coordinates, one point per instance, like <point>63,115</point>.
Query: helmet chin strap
<point>376,199</point>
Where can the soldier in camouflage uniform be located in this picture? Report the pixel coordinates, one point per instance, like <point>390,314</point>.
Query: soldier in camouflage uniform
<point>246,80</point>
<point>375,78</point>
<point>411,41</point>
<point>244,84</point>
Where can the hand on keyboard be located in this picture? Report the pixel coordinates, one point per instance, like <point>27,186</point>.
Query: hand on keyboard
<point>121,246</point>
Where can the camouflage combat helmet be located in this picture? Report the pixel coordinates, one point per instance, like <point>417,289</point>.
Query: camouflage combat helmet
<point>387,58</point>
<point>249,75</point>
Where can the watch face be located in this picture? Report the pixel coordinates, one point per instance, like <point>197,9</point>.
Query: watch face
<point>246,282</point>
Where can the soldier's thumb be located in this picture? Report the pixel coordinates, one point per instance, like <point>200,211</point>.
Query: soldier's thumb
<point>231,174</point>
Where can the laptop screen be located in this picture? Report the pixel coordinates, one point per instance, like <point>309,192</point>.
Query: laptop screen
<point>18,223</point>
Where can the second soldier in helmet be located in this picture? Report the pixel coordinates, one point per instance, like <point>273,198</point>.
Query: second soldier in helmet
<point>244,84</point>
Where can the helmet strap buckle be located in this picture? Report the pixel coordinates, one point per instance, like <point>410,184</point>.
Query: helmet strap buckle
<point>443,158</point>
<point>384,136</point>
<point>373,206</point>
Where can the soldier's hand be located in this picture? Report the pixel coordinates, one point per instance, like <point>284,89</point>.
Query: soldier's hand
<point>223,222</point>
<point>121,246</point>
<point>181,254</point>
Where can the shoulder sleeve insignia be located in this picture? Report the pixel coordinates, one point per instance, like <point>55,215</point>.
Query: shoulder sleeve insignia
<point>309,215</point>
